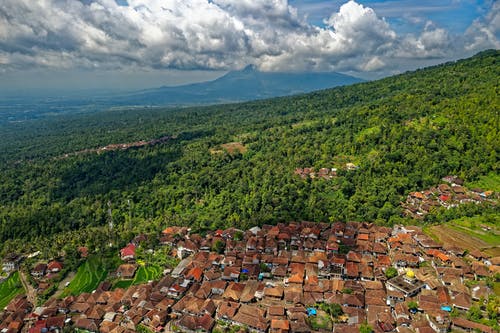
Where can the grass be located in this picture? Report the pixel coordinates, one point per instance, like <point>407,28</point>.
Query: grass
<point>10,288</point>
<point>321,322</point>
<point>147,273</point>
<point>472,226</point>
<point>87,278</point>
<point>490,182</point>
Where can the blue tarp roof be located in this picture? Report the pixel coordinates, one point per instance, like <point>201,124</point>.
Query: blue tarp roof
<point>311,311</point>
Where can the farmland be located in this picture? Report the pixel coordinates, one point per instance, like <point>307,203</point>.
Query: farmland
<point>469,233</point>
<point>87,278</point>
<point>10,288</point>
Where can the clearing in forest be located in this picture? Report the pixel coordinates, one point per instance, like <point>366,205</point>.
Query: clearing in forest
<point>231,147</point>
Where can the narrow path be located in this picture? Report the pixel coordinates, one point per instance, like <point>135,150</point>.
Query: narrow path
<point>62,284</point>
<point>30,291</point>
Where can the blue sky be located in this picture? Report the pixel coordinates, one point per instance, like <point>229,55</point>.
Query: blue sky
<point>134,44</point>
<point>456,15</point>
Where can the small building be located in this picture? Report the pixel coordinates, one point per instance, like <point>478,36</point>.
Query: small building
<point>128,252</point>
<point>126,271</point>
<point>11,262</point>
<point>39,270</point>
<point>407,284</point>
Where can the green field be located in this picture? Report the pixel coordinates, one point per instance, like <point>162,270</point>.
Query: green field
<point>9,289</point>
<point>491,182</point>
<point>143,275</point>
<point>474,226</point>
<point>87,278</point>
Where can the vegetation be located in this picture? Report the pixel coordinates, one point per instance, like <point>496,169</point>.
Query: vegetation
<point>10,288</point>
<point>391,272</point>
<point>365,328</point>
<point>413,306</point>
<point>404,133</point>
<point>321,321</point>
<point>334,310</point>
<point>88,277</point>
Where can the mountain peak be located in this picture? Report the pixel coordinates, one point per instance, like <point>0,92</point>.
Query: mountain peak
<point>250,68</point>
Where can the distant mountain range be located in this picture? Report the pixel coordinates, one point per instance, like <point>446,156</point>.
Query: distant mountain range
<point>243,85</point>
<point>236,86</point>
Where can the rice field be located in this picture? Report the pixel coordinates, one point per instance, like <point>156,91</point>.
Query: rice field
<point>87,278</point>
<point>10,288</point>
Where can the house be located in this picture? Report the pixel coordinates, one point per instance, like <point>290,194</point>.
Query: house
<point>54,267</point>
<point>470,326</point>
<point>227,311</point>
<point>439,321</point>
<point>11,262</point>
<point>196,324</point>
<point>128,252</point>
<point>280,326</point>
<point>83,251</point>
<point>407,284</point>
<point>126,271</point>
<point>39,270</point>
<point>231,273</point>
<point>86,324</point>
<point>253,318</point>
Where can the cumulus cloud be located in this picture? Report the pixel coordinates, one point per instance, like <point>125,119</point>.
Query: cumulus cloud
<point>484,33</point>
<point>217,34</point>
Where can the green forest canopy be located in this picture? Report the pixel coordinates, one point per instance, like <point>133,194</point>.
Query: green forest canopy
<point>404,132</point>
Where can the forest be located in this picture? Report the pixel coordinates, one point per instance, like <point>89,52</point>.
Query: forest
<point>403,133</point>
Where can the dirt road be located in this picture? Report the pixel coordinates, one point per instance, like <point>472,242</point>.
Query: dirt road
<point>30,291</point>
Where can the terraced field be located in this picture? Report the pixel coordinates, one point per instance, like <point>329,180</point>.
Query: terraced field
<point>10,288</point>
<point>87,278</point>
<point>467,237</point>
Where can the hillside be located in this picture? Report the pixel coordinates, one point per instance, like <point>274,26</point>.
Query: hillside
<point>402,134</point>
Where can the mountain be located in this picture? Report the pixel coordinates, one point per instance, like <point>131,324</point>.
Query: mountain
<point>236,86</point>
<point>243,85</point>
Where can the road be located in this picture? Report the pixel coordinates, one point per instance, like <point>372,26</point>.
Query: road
<point>30,291</point>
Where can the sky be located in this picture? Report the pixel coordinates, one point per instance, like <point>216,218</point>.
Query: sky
<point>50,45</point>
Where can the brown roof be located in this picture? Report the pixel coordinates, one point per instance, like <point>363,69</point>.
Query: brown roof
<point>86,324</point>
<point>126,270</point>
<point>227,310</point>
<point>464,323</point>
<point>279,324</point>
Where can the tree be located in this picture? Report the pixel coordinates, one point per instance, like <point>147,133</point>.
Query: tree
<point>413,306</point>
<point>474,313</point>
<point>365,328</point>
<point>218,246</point>
<point>334,310</point>
<point>391,272</point>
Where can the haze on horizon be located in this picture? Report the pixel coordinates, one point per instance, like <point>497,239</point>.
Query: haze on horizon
<point>136,44</point>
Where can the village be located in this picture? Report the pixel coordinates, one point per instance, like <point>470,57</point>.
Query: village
<point>290,277</point>
<point>449,194</point>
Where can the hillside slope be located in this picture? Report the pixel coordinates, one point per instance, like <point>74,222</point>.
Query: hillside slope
<point>402,134</point>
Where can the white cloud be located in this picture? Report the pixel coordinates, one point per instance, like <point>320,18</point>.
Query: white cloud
<point>484,33</point>
<point>218,34</point>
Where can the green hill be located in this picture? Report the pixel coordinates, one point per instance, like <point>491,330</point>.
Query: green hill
<point>404,133</point>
